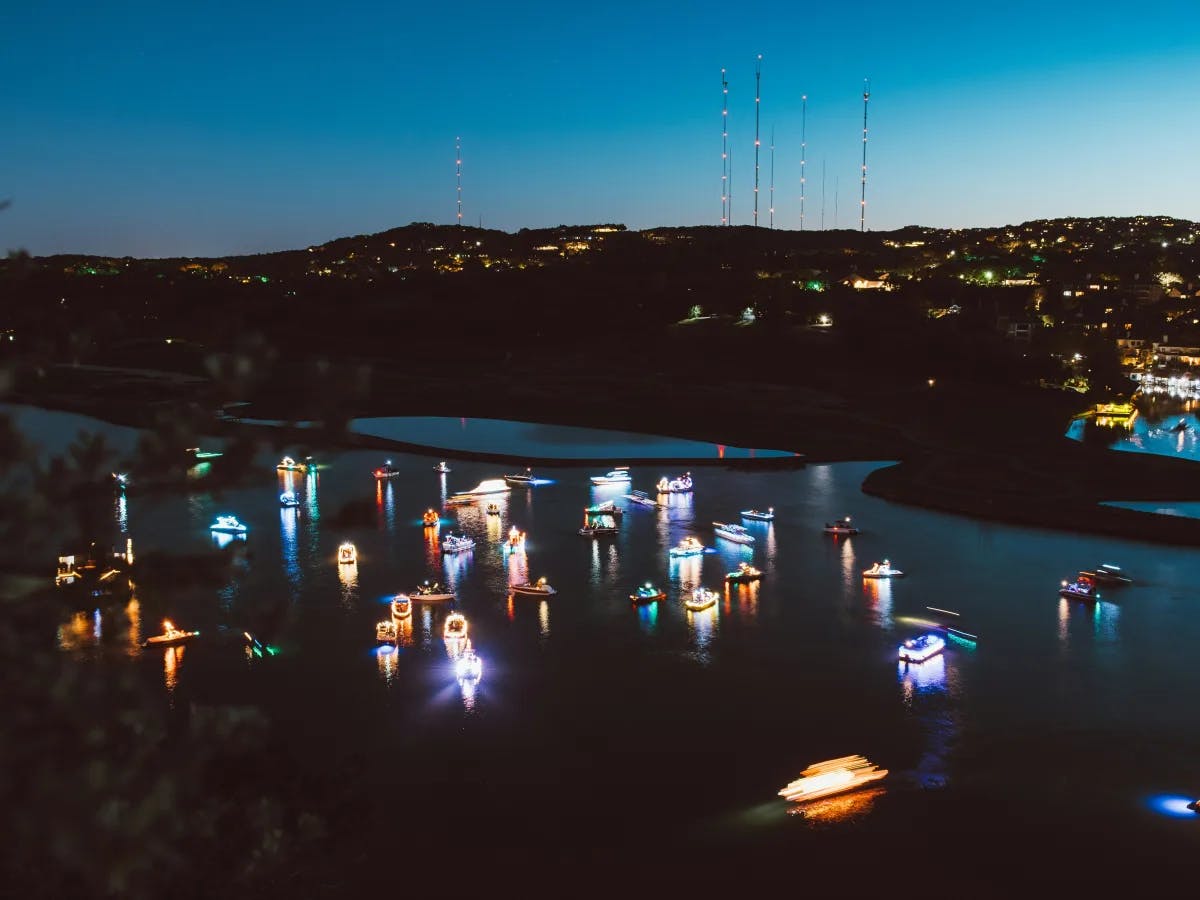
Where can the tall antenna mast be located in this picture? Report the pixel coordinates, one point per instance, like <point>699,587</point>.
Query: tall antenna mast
<point>757,101</point>
<point>729,206</point>
<point>803,151</point>
<point>771,195</point>
<point>724,149</point>
<point>458,158</point>
<point>862,215</point>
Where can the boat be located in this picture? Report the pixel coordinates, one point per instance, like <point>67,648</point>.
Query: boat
<point>120,480</point>
<point>841,526</point>
<point>689,546</point>
<point>524,480</point>
<point>1106,574</point>
<point>171,635</point>
<point>385,631</point>
<point>759,515</point>
<point>733,533</point>
<point>515,539</point>
<point>642,498</point>
<point>289,499</point>
<point>647,593</point>
<point>680,485</point>
<point>287,464</point>
<point>430,518</point>
<point>401,606</point>
<point>485,487</point>
<point>607,508</point>
<point>1194,806</point>
<point>745,573</point>
<point>455,628</point>
<point>833,776</point>
<point>198,456</point>
<point>1179,426</point>
<point>259,647</point>
<point>701,598</point>
<point>619,475</point>
<point>882,570</point>
<point>228,525</point>
<point>599,529</point>
<point>1082,588</point>
<point>442,467</point>
<point>921,648</point>
<point>540,588</point>
<point>347,554</point>
<point>457,543</point>
<point>387,470</point>
<point>431,593</point>
<point>468,667</point>
<point>493,509</point>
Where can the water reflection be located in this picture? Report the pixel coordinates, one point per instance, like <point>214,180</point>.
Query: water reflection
<point>223,540</point>
<point>922,678</point>
<point>605,561</point>
<point>648,617</point>
<point>842,808</point>
<point>544,618</point>
<point>289,518</point>
<point>122,512</point>
<point>685,572</point>
<point>517,565</point>
<point>457,566</point>
<point>702,628</point>
<point>744,598</point>
<point>133,612</point>
<point>1106,617</point>
<point>386,657</point>
<point>404,631</point>
<point>348,576</point>
<point>851,576</point>
<point>879,595</point>
<point>385,503</point>
<point>172,660</point>
<point>78,633</point>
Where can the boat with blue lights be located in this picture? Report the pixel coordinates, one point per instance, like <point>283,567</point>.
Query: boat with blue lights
<point>170,636</point>
<point>758,515</point>
<point>689,546</point>
<point>1107,574</point>
<point>701,599</point>
<point>387,470</point>
<point>468,667</point>
<point>647,593</point>
<point>431,593</point>
<point>452,543</point>
<point>401,606</point>
<point>841,526</point>
<point>680,485</point>
<point>735,533</point>
<point>523,480</point>
<point>744,574</point>
<point>289,500</point>
<point>227,525</point>
<point>921,648</point>
<point>642,498</point>
<point>882,570</point>
<point>619,475</point>
<point>539,588</point>
<point>287,464</point>
<point>1082,588</point>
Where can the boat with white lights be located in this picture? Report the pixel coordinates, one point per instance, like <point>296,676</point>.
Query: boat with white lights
<point>882,570</point>
<point>841,526</point>
<point>524,479</point>
<point>539,588</point>
<point>921,648</point>
<point>680,485</point>
<point>99,573</point>
<point>455,628</point>
<point>347,554</point>
<point>689,546</point>
<point>599,530</point>
<point>641,498</point>
<point>387,470</point>
<point>493,509</point>
<point>1107,574</point>
<point>429,518</point>
<point>701,599</point>
<point>289,500</point>
<point>516,539</point>
<point>453,543</point>
<point>386,631</point>
<point>401,606</point>
<point>1082,588</point>
<point>287,464</point>
<point>733,533</point>
<point>607,508</point>
<point>834,776</point>
<point>442,468</point>
<point>619,475</point>
<point>120,480</point>
<point>744,574</point>
<point>758,515</point>
<point>227,525</point>
<point>485,487</point>
<point>170,636</point>
<point>431,593</point>
<point>647,593</point>
<point>468,667</point>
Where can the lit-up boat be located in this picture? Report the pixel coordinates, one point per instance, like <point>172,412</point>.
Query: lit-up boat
<point>759,515</point>
<point>523,480</point>
<point>442,468</point>
<point>619,475</point>
<point>744,574</point>
<point>700,599</point>
<point>493,509</point>
<point>733,533</point>
<point>120,480</point>
<point>171,635</point>
<point>99,573</point>
<point>289,499</point>
<point>1106,574</point>
<point>599,528</point>
<point>287,464</point>
<point>647,593</point>
<point>921,648</point>
<point>539,588</point>
<point>689,546</point>
<point>452,543</point>
<point>198,456</point>
<point>347,554</point>
<point>642,498</point>
<point>431,593</point>
<point>680,485</point>
<point>833,776</point>
<point>1082,588</point>
<point>228,525</point>
<point>386,631</point>
<point>387,470</point>
<point>607,508</point>
<point>468,667</point>
<point>882,570</point>
<point>401,606</point>
<point>516,539</point>
<point>485,487</point>
<point>430,518</point>
<point>841,526</point>
<point>455,628</point>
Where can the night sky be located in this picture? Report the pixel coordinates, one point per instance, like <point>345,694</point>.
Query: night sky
<point>154,129</point>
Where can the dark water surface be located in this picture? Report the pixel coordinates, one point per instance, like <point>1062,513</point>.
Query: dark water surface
<point>609,738</point>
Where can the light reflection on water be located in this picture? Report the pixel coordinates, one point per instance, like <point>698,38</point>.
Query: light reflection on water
<point>842,808</point>
<point>702,629</point>
<point>172,661</point>
<point>878,592</point>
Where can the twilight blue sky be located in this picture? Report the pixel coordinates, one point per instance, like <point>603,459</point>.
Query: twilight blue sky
<point>155,129</point>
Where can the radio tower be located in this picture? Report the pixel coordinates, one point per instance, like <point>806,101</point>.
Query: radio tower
<point>724,150</point>
<point>803,150</point>
<point>862,214</point>
<point>771,189</point>
<point>458,163</point>
<point>757,101</point>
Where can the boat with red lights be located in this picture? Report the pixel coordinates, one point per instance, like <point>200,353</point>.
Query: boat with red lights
<point>1082,588</point>
<point>401,606</point>
<point>680,485</point>
<point>387,470</point>
<point>647,593</point>
<point>882,570</point>
<point>841,526</point>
